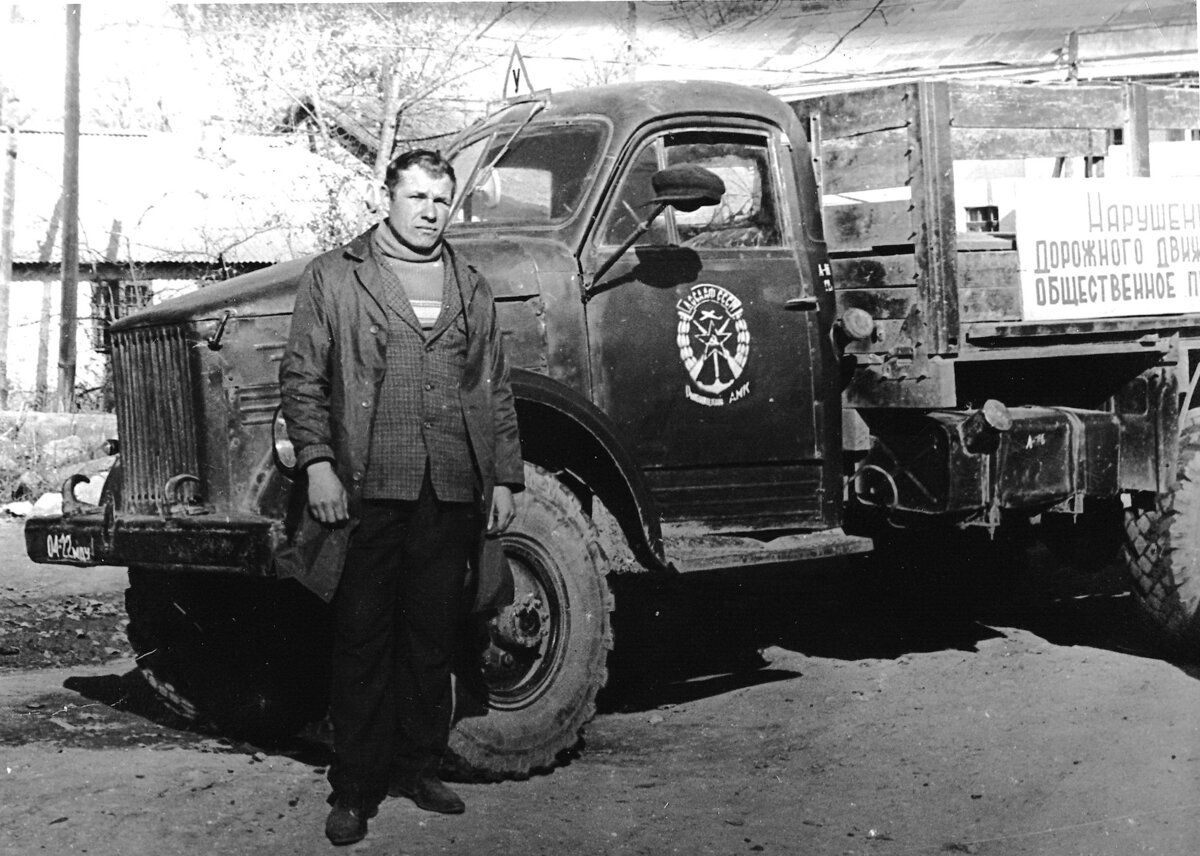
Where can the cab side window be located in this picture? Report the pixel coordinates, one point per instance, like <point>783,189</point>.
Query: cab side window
<point>748,214</point>
<point>632,205</point>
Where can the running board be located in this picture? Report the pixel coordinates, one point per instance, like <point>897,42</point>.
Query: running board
<point>691,553</point>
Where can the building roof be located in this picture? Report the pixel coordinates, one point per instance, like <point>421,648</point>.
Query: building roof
<point>213,199</point>
<point>182,198</point>
<point>805,46</point>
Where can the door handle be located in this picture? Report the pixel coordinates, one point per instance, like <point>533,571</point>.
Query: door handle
<point>801,304</point>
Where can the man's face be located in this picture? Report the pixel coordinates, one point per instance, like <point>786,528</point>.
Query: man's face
<point>420,207</point>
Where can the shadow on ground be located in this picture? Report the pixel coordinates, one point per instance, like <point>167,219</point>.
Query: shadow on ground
<point>700,636</point>
<point>131,696</point>
<point>695,636</point>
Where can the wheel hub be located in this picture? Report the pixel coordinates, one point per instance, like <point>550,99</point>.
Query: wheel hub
<point>524,624</point>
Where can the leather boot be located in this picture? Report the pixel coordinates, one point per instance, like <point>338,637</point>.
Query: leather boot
<point>428,792</point>
<point>347,821</point>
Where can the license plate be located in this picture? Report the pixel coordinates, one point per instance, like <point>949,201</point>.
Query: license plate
<point>68,548</point>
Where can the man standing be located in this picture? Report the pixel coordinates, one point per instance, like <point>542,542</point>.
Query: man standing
<point>397,400</point>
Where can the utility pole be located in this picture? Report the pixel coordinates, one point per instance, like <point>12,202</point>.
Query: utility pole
<point>69,310</point>
<point>7,203</point>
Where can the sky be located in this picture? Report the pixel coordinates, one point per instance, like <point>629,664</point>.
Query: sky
<point>139,51</point>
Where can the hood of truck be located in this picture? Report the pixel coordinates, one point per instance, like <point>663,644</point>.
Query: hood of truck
<point>516,267</point>
<point>270,291</point>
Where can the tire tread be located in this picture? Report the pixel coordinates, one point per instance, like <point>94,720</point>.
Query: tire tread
<point>1162,553</point>
<point>470,759</point>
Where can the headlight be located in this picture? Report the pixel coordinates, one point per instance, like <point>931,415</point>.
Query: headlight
<point>857,324</point>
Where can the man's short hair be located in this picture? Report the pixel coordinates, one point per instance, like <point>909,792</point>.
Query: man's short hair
<point>432,162</point>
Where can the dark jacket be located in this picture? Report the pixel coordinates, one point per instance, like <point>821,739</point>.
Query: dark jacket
<point>330,378</point>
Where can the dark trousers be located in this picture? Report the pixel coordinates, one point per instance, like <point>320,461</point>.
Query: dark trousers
<point>396,614</point>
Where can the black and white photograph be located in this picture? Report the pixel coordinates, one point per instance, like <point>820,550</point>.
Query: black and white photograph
<point>649,427</point>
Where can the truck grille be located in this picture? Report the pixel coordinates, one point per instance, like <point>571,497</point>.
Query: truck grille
<point>156,413</point>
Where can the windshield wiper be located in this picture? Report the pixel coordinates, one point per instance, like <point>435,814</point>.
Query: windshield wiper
<point>478,174</point>
<point>542,96</point>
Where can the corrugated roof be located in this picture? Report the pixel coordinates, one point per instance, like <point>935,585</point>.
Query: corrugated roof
<point>168,198</point>
<point>808,44</point>
<point>174,198</point>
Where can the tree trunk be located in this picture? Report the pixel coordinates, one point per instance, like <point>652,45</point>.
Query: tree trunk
<point>631,41</point>
<point>390,82</point>
<point>41,388</point>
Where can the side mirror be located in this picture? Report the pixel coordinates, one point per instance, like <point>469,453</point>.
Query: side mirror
<point>685,187</point>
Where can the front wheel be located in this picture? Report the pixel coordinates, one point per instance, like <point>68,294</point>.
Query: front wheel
<point>546,657</point>
<point>248,655</point>
<point>1162,550</point>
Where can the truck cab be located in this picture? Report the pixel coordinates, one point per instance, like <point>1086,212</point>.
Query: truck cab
<point>696,362</point>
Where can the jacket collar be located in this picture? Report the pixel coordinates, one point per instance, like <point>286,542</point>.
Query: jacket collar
<point>358,250</point>
<point>464,275</point>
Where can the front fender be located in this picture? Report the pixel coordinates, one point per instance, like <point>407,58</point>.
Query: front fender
<point>562,429</point>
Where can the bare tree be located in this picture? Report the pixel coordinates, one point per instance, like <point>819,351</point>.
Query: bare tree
<point>701,17</point>
<point>622,61</point>
<point>390,84</point>
<point>359,80</point>
<point>350,73</point>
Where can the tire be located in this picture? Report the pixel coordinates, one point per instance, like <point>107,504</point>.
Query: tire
<point>1162,551</point>
<point>535,698</point>
<point>246,655</point>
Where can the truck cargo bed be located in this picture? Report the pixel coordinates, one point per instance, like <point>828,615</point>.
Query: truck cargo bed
<point>919,183</point>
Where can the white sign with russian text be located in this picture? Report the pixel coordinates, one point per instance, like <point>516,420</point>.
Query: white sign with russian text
<point>1105,248</point>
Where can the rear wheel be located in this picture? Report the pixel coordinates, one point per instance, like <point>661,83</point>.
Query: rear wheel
<point>1162,550</point>
<point>247,655</point>
<point>546,657</point>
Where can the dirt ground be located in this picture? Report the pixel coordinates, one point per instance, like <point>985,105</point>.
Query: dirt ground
<point>880,718</point>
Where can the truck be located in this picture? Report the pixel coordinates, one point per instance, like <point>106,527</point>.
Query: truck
<point>742,334</point>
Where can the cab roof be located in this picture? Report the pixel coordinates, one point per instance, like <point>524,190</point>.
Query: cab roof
<point>630,105</point>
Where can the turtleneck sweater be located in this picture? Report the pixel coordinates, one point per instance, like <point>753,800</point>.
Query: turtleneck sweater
<point>420,274</point>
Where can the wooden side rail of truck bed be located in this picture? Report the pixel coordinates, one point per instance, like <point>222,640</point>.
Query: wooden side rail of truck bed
<point>913,226</point>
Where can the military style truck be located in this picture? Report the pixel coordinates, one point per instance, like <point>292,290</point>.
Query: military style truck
<point>742,333</point>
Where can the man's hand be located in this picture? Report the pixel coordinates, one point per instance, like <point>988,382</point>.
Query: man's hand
<point>326,496</point>
<point>503,510</point>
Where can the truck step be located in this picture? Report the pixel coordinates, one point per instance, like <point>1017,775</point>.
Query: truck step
<point>691,553</point>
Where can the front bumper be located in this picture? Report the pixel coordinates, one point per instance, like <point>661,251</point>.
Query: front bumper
<point>208,542</point>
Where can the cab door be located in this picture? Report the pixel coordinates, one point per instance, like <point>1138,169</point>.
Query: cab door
<point>703,339</point>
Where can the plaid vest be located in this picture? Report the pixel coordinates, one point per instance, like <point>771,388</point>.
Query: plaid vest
<point>419,415</point>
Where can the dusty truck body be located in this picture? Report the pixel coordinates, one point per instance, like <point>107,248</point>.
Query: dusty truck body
<point>1034,295</point>
<point>701,384</point>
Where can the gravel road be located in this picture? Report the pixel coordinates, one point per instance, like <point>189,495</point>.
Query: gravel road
<point>791,716</point>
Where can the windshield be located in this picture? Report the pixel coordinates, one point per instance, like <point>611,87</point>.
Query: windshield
<point>539,179</point>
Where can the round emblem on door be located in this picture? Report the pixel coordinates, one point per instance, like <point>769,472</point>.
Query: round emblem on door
<point>714,344</point>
